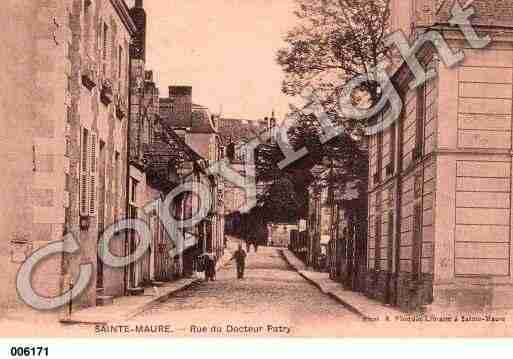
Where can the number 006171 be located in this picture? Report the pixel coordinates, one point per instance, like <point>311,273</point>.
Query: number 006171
<point>29,351</point>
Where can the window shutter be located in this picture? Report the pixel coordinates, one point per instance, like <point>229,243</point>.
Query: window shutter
<point>390,245</point>
<point>377,242</point>
<point>84,152</point>
<point>420,119</point>
<point>417,240</point>
<point>99,33</point>
<point>92,176</point>
<point>113,53</point>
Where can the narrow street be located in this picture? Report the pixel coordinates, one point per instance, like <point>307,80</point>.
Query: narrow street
<point>271,294</point>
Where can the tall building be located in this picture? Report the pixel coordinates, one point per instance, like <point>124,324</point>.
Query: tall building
<point>101,102</point>
<point>152,170</point>
<point>440,177</point>
<point>65,131</point>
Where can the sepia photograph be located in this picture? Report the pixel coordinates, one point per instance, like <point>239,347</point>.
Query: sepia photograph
<point>256,169</point>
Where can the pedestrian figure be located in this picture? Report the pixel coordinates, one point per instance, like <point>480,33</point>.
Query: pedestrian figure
<point>210,267</point>
<point>240,259</point>
<point>248,246</point>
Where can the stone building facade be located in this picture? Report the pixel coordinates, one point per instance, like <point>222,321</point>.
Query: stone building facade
<point>197,130</point>
<point>65,137</point>
<point>234,134</point>
<point>440,177</point>
<point>34,118</point>
<point>152,173</point>
<point>102,35</point>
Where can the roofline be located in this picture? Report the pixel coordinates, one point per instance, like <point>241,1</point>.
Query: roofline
<point>447,26</point>
<point>475,21</point>
<point>122,10</point>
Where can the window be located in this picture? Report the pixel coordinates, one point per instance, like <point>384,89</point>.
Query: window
<point>99,35</point>
<point>417,241</point>
<point>150,131</point>
<point>105,48</point>
<point>377,242</point>
<point>68,114</point>
<point>390,246</point>
<point>83,173</point>
<point>419,123</point>
<point>116,183</point>
<point>417,186</point>
<point>87,24</point>
<point>392,144</point>
<point>133,190</point>
<point>378,231</point>
<point>85,135</point>
<point>120,63</point>
<point>68,83</point>
<point>67,182</point>
<point>92,177</point>
<point>68,147</point>
<point>377,177</point>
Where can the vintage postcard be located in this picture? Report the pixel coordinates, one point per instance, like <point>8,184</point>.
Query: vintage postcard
<point>256,169</point>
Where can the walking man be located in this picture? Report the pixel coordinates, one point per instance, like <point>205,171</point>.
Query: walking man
<point>240,259</point>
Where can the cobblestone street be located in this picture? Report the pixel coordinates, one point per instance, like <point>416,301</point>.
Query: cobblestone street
<point>271,294</point>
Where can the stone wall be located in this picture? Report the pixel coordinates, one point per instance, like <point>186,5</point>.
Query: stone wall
<point>402,290</point>
<point>34,162</point>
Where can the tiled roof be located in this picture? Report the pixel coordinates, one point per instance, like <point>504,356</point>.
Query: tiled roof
<point>487,12</point>
<point>199,122</point>
<point>235,130</point>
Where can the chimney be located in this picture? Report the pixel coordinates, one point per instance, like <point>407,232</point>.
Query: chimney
<point>272,123</point>
<point>138,14</point>
<point>181,110</point>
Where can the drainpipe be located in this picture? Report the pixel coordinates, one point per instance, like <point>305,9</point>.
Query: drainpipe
<point>398,204</point>
<point>127,183</point>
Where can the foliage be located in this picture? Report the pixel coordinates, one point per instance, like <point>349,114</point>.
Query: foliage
<point>333,42</point>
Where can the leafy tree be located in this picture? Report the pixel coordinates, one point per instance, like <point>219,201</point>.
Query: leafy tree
<point>334,42</point>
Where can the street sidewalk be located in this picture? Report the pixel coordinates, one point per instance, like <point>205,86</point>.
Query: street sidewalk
<point>356,302</point>
<point>128,307</point>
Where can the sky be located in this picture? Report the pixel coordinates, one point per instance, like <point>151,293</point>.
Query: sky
<point>224,49</point>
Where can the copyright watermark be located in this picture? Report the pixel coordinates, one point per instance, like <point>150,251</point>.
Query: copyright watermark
<point>200,188</point>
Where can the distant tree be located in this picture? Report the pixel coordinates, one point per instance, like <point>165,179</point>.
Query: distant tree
<point>345,155</point>
<point>281,202</point>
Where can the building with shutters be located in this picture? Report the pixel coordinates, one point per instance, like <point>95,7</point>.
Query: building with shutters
<point>440,177</point>
<point>152,172</point>
<point>102,100</point>
<point>65,139</point>
<point>197,130</point>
